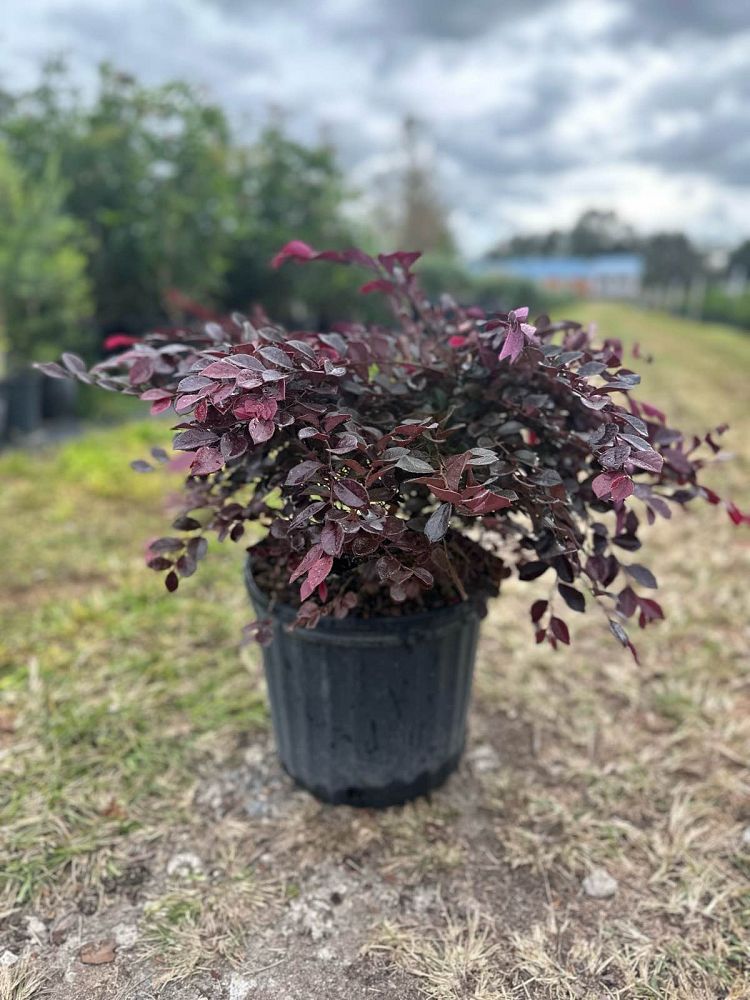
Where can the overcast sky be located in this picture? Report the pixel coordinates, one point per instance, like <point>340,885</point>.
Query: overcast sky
<point>536,109</point>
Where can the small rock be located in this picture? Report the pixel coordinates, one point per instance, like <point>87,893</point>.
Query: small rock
<point>7,958</point>
<point>62,927</point>
<point>239,987</point>
<point>36,930</point>
<point>313,917</point>
<point>745,838</point>
<point>125,935</point>
<point>255,755</point>
<point>599,884</point>
<point>484,758</point>
<point>184,865</point>
<point>97,953</point>
<point>325,954</point>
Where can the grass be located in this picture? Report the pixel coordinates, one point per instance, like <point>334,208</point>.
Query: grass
<point>117,698</point>
<point>111,690</point>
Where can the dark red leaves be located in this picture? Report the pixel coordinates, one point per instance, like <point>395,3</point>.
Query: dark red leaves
<point>538,609</point>
<point>117,340</point>
<point>332,538</point>
<point>194,437</point>
<point>411,464</point>
<point>560,630</point>
<point>302,472</point>
<point>141,370</point>
<point>220,369</point>
<point>350,493</point>
<point>650,460</point>
<point>414,455</point>
<point>378,286</point>
<point>206,461</point>
<point>260,430</point>
<point>531,570</point>
<point>438,523</point>
<point>572,597</point>
<point>316,575</point>
<point>614,485</point>
<point>735,514</point>
<point>512,345</point>
<point>295,250</point>
<point>307,562</point>
<point>642,575</point>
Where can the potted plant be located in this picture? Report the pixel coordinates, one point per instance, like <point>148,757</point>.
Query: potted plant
<point>393,478</point>
<point>44,293</point>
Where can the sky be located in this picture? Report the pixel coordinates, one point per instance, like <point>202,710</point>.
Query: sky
<point>532,110</point>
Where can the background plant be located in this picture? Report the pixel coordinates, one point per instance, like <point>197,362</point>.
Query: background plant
<point>44,292</point>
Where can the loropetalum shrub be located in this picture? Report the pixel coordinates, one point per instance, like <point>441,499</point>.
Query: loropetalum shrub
<point>395,470</point>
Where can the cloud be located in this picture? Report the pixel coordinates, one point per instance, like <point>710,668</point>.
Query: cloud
<point>532,111</point>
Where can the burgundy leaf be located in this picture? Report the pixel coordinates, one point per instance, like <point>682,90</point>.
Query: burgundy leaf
<point>512,345</point>
<point>276,356</point>
<point>306,515</point>
<point>411,464</point>
<point>54,370</point>
<point>219,370</point>
<point>261,430</point>
<point>302,472</point>
<point>332,538</point>
<point>344,443</point>
<point>572,597</point>
<point>622,488</point>
<point>159,563</point>
<point>438,522</point>
<point>310,558</point>
<point>641,575</point>
<point>650,460</point>
<point>192,438</point>
<point>560,630</point>
<point>206,461</point>
<point>316,575</point>
<point>141,371</point>
<point>233,445</point>
<point>538,609</point>
<point>531,570</point>
<point>350,493</point>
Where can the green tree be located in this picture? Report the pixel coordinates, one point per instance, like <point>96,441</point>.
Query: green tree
<point>44,292</point>
<point>670,259</point>
<point>148,176</point>
<point>285,190</point>
<point>739,260</point>
<point>601,231</point>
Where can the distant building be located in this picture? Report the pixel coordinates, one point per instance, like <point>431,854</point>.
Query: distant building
<point>605,276</point>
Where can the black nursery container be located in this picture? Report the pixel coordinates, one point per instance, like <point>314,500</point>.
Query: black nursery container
<point>22,396</point>
<point>370,712</point>
<point>59,397</point>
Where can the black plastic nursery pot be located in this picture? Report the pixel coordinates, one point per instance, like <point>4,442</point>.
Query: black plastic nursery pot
<point>59,398</point>
<point>22,397</point>
<point>369,712</point>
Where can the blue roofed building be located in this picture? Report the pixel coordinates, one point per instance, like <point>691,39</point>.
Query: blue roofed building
<point>605,276</point>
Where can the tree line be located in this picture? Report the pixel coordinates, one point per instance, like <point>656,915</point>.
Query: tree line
<point>108,205</point>
<point>676,273</point>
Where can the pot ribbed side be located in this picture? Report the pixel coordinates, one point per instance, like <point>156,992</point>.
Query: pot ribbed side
<point>370,712</point>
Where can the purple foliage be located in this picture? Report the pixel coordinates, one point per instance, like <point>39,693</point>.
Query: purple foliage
<point>365,453</point>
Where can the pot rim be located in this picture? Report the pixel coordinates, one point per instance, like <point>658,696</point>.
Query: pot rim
<point>430,619</point>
